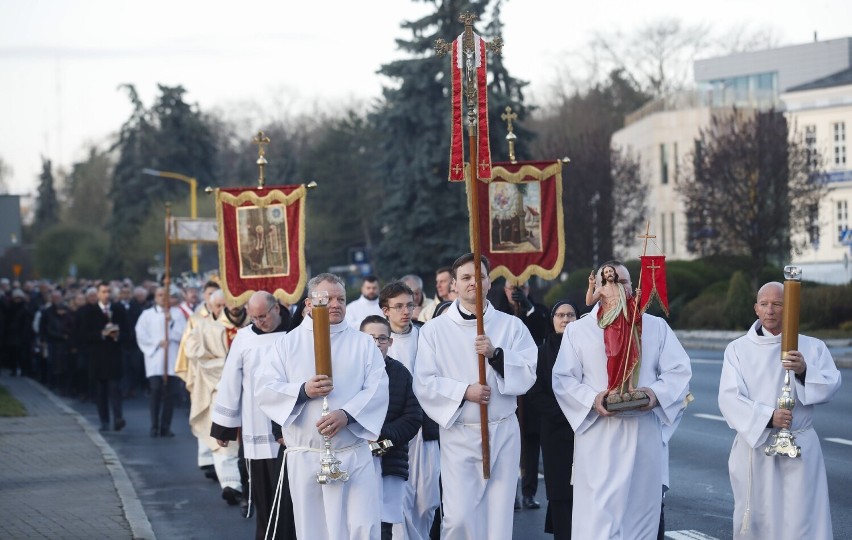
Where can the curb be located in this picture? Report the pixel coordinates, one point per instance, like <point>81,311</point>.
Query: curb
<point>132,506</point>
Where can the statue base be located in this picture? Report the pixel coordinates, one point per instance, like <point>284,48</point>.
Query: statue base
<point>626,401</point>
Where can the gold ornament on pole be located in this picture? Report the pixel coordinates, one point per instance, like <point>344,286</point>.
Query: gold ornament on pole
<point>261,141</point>
<point>508,116</point>
<point>784,442</point>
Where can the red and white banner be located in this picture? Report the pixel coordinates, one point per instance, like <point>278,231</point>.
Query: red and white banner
<point>522,227</point>
<point>457,68</point>
<point>262,241</point>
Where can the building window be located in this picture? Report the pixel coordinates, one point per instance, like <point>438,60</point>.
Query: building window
<point>674,244</point>
<point>675,162</point>
<point>839,143</point>
<point>842,218</point>
<point>810,147</point>
<point>664,165</point>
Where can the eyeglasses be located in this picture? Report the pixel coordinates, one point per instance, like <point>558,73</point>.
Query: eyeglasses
<point>381,340</point>
<point>261,318</point>
<point>564,315</point>
<point>399,307</point>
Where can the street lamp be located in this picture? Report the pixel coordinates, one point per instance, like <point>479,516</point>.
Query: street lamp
<point>193,203</point>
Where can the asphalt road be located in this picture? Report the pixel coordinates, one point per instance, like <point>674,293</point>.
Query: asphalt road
<point>181,503</point>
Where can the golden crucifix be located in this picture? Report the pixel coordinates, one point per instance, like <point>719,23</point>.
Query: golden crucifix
<point>261,141</point>
<point>508,116</point>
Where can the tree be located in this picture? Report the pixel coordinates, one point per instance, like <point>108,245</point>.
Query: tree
<point>47,206</point>
<point>603,197</point>
<point>751,189</point>
<point>87,191</point>
<point>424,217</point>
<point>170,136</point>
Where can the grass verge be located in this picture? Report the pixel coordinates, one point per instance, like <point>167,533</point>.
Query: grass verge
<point>9,406</point>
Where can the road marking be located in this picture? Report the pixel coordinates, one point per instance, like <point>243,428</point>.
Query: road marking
<point>704,361</point>
<point>709,417</point>
<point>839,441</point>
<point>689,535</point>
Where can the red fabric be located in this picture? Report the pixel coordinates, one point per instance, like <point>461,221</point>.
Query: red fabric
<point>550,254</point>
<point>456,129</point>
<point>483,168</point>
<point>653,282</point>
<point>617,336</point>
<point>233,284</point>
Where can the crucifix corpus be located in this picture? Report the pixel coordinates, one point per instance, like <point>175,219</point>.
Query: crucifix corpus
<point>469,79</point>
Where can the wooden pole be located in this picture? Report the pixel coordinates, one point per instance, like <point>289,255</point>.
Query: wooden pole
<point>480,323</point>
<point>167,309</point>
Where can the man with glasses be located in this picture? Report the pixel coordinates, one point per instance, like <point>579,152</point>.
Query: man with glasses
<point>237,409</point>
<point>402,423</point>
<point>422,493</point>
<point>358,402</point>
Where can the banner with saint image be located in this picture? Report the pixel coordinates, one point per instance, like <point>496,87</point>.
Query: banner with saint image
<point>521,222</point>
<point>261,241</point>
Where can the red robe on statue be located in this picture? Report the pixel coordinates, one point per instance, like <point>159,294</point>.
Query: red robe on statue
<point>618,338</point>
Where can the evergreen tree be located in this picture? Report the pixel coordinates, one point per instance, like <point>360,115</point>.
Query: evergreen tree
<point>172,136</point>
<point>87,191</point>
<point>424,218</point>
<point>47,206</point>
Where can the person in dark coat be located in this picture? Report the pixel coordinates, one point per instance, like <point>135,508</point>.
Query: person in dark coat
<point>557,437</point>
<point>19,332</point>
<point>99,329</point>
<point>58,326</point>
<point>402,422</point>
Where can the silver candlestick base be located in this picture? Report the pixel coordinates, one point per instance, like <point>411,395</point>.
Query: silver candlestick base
<point>329,464</point>
<point>784,442</point>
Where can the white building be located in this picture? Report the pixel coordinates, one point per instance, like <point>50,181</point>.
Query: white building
<point>662,135</point>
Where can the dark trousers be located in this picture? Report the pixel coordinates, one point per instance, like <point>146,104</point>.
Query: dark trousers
<point>162,402</point>
<point>558,519</point>
<point>109,394</point>
<point>264,481</point>
<point>387,531</point>
<point>532,449</point>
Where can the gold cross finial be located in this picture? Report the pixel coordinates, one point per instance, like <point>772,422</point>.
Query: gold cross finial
<point>508,116</point>
<point>261,141</point>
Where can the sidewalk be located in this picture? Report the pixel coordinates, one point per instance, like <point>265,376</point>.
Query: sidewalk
<point>58,477</point>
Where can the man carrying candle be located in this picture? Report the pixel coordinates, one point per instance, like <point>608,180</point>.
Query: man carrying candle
<point>776,496</point>
<point>357,395</point>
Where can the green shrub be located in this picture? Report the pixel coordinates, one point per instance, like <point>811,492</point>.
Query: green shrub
<point>739,302</point>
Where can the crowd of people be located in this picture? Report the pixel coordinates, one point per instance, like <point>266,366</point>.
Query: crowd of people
<point>390,446</point>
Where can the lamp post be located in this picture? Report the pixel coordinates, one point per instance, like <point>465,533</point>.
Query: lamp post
<point>193,203</point>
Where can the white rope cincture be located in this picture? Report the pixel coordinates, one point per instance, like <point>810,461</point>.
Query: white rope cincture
<point>276,499</point>
<point>248,469</point>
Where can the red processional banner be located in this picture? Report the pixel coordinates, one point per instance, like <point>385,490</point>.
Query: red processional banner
<point>262,241</point>
<point>653,282</point>
<point>521,222</point>
<point>457,69</point>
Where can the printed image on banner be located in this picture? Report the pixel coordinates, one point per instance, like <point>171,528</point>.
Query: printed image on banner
<point>515,217</point>
<point>262,241</point>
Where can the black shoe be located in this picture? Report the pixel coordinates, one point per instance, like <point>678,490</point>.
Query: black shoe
<point>155,432</point>
<point>119,424</point>
<point>104,427</point>
<point>166,433</point>
<point>210,472</point>
<point>530,502</point>
<point>232,496</point>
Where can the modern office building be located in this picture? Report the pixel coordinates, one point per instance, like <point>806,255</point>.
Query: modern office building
<point>811,78</point>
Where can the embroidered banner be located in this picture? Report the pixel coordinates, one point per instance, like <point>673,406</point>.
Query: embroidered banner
<point>521,221</point>
<point>457,69</point>
<point>262,241</point>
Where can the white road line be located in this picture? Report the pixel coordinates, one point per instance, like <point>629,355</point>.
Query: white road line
<point>689,535</point>
<point>704,361</point>
<point>839,441</point>
<point>709,417</point>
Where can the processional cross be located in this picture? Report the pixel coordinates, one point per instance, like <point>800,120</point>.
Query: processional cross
<point>508,117</point>
<point>261,141</point>
<point>473,65</point>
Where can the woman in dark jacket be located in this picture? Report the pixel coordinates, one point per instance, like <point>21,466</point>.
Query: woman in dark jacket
<point>557,437</point>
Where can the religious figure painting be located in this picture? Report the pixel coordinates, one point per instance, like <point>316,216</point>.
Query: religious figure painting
<point>514,217</point>
<point>262,241</point>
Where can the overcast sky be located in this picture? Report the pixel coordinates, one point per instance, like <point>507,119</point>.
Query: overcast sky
<point>61,62</point>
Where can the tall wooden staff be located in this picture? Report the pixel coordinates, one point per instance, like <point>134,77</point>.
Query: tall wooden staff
<point>167,309</point>
<point>469,51</point>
